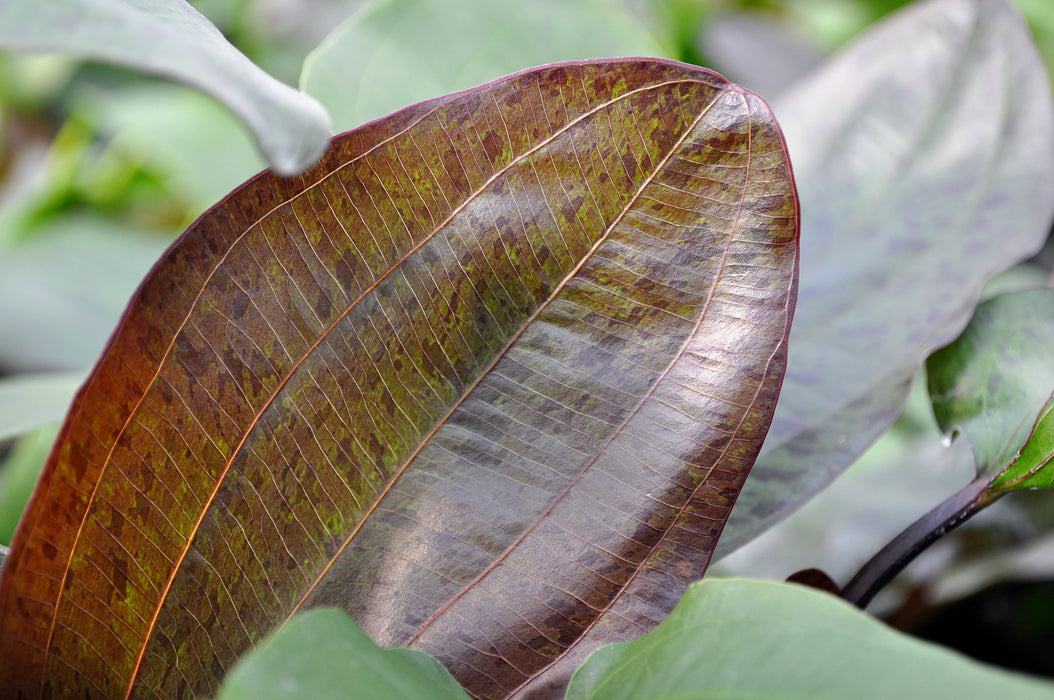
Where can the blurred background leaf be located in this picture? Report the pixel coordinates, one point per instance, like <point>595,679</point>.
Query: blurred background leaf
<point>30,401</point>
<point>171,39</point>
<point>921,176</point>
<point>19,476</point>
<point>393,53</point>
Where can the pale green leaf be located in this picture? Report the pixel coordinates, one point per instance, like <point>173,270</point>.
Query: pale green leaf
<point>922,173</point>
<point>71,280</point>
<point>19,472</point>
<point>322,654</point>
<point>393,53</point>
<point>172,39</point>
<point>29,401</point>
<point>739,638</point>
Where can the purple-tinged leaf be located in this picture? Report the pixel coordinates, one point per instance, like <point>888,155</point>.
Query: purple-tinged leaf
<point>488,377</point>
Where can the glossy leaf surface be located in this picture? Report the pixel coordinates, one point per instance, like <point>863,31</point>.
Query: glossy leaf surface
<point>738,638</point>
<point>412,50</point>
<point>488,378</point>
<point>924,154</point>
<point>993,385</point>
<point>1031,468</point>
<point>172,39</point>
<point>323,655</point>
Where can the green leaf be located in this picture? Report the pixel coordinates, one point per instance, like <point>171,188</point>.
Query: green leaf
<point>1029,470</point>
<point>994,383</point>
<point>392,53</point>
<point>19,471</point>
<point>990,384</point>
<point>322,654</point>
<point>922,173</point>
<point>29,401</point>
<point>191,141</point>
<point>71,280</point>
<point>172,39</point>
<point>738,638</point>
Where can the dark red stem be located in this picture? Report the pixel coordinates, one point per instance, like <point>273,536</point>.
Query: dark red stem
<point>900,552</point>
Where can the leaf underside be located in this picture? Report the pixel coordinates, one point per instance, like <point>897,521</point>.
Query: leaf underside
<point>923,173</point>
<point>488,377</point>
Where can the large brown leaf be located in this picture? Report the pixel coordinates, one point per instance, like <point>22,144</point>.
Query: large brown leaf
<point>489,377</point>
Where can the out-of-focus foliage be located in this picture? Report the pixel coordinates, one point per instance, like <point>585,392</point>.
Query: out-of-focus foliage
<point>170,39</point>
<point>406,55</point>
<point>30,401</point>
<point>19,475</point>
<point>287,663</point>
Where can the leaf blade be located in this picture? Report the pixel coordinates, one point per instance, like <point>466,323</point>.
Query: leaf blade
<point>744,638</point>
<point>323,654</point>
<point>993,384</point>
<point>907,192</point>
<point>1030,469</point>
<point>438,404</point>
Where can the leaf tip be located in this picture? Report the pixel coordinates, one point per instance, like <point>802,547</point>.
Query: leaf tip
<point>293,148</point>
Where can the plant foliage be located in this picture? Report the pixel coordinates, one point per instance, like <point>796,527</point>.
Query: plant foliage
<point>488,377</point>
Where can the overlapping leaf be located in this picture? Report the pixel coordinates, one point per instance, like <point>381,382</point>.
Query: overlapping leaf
<point>994,384</point>
<point>412,50</point>
<point>488,377</point>
<point>323,655</point>
<point>925,156</point>
<point>737,638</point>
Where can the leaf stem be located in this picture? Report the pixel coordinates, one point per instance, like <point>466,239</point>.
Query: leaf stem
<point>903,548</point>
